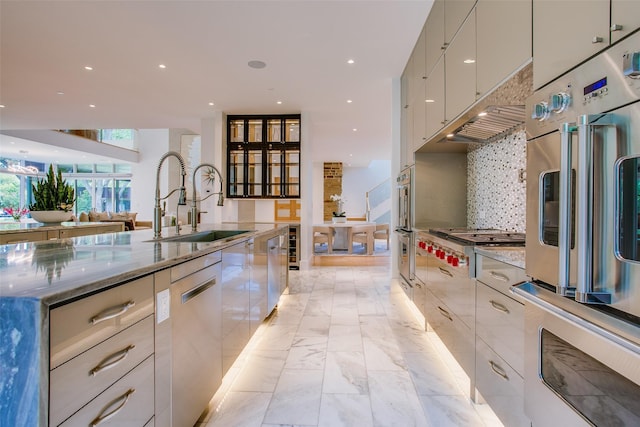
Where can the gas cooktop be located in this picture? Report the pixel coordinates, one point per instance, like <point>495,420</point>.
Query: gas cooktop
<point>482,236</point>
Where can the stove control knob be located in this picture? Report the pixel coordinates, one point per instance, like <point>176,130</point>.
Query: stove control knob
<point>558,102</point>
<point>442,254</point>
<point>455,261</point>
<point>540,111</point>
<point>449,259</point>
<point>430,248</point>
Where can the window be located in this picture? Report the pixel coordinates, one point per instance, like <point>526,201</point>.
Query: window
<point>94,190</point>
<point>263,156</point>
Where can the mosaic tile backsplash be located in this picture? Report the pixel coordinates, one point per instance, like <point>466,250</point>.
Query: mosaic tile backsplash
<point>496,195</point>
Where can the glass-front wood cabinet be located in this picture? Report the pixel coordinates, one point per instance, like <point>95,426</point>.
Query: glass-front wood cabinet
<point>263,156</point>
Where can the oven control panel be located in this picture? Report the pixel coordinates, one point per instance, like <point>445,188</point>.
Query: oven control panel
<point>601,84</point>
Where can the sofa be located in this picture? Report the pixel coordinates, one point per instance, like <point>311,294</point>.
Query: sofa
<point>129,219</point>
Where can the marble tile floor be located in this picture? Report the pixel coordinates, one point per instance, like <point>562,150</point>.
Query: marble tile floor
<point>344,349</point>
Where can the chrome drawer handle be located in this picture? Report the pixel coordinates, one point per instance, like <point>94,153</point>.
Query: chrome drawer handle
<point>498,306</point>
<point>104,417</point>
<point>498,370</point>
<point>499,276</point>
<point>112,312</point>
<point>111,360</point>
<point>445,313</point>
<point>445,272</point>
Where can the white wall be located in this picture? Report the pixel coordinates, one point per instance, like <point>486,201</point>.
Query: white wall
<point>357,181</point>
<point>152,143</point>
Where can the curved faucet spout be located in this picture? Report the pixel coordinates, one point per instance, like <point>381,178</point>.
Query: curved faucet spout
<point>182,199</point>
<point>194,208</point>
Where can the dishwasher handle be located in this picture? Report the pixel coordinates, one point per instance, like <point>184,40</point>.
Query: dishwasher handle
<point>197,290</point>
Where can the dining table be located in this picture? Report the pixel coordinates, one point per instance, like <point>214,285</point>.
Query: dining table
<point>342,231</point>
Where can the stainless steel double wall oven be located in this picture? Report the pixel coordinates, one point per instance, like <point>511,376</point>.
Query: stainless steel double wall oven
<point>582,363</point>
<point>404,229</point>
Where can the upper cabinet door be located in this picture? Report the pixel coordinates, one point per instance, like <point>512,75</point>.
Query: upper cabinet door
<point>460,66</point>
<point>434,35</point>
<point>503,40</point>
<point>455,12</point>
<point>434,99</point>
<point>418,59</point>
<point>566,32</point>
<point>625,17</point>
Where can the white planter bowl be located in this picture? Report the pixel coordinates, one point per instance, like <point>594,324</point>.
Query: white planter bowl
<point>51,216</point>
<point>339,219</point>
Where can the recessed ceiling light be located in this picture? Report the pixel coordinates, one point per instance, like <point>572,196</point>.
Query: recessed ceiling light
<point>429,100</point>
<point>484,113</point>
<point>256,64</point>
<point>1,105</point>
<point>59,92</point>
<point>88,68</point>
<point>350,155</point>
<point>355,129</point>
<point>351,61</point>
<point>12,142</point>
<point>211,104</point>
<point>469,61</point>
<point>278,102</point>
<point>162,66</point>
<point>92,105</point>
<point>349,101</point>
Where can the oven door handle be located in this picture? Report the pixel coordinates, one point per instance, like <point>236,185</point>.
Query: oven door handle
<point>584,208</point>
<point>564,221</point>
<point>530,293</point>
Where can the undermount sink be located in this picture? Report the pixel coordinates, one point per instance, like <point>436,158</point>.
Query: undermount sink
<point>204,236</point>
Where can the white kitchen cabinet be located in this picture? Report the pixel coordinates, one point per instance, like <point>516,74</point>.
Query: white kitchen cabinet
<point>566,32</point>
<point>434,36</point>
<point>625,17</point>
<point>455,12</point>
<point>503,40</point>
<point>460,80</point>
<point>405,119</point>
<point>419,114</point>
<point>418,59</point>
<point>435,99</point>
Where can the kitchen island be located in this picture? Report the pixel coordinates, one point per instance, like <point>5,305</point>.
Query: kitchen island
<point>41,278</point>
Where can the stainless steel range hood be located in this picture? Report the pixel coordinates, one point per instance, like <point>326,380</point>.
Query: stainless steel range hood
<point>497,114</point>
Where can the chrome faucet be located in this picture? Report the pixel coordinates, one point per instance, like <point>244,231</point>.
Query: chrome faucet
<point>158,212</point>
<point>211,178</point>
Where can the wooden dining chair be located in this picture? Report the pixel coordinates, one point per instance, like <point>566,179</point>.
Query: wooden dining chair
<point>362,234</point>
<point>323,235</point>
<point>382,232</point>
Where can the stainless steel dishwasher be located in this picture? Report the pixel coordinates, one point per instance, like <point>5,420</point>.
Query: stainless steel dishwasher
<point>196,337</point>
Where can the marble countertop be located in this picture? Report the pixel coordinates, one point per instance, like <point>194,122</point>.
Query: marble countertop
<point>17,227</point>
<point>512,255</point>
<point>57,270</point>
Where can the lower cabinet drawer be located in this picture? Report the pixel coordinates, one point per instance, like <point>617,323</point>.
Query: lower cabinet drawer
<point>500,386</point>
<point>78,326</point>
<point>455,334</point>
<point>127,403</point>
<point>500,323</point>
<point>79,380</point>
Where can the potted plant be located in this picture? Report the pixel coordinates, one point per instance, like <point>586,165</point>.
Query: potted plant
<point>339,215</point>
<point>53,198</point>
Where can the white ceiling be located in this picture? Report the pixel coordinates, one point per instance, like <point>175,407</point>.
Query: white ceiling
<point>206,46</point>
